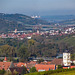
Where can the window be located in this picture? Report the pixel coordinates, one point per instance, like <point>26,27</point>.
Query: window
<point>64,56</point>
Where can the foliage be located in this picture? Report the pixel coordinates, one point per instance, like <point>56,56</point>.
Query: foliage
<point>25,71</point>
<point>8,22</point>
<point>52,72</point>
<point>72,56</point>
<point>23,53</point>
<point>40,60</point>
<point>2,71</point>
<point>15,72</point>
<point>8,72</point>
<point>33,69</point>
<point>60,67</point>
<point>31,42</point>
<point>38,46</point>
<point>7,50</point>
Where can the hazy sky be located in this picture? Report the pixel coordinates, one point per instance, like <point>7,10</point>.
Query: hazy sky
<point>38,7</point>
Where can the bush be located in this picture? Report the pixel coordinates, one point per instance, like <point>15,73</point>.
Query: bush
<point>60,67</point>
<point>33,69</point>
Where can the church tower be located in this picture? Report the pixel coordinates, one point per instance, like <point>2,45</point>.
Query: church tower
<point>5,59</point>
<point>66,59</point>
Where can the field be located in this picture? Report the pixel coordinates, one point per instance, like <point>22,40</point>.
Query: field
<point>64,73</point>
<point>55,72</point>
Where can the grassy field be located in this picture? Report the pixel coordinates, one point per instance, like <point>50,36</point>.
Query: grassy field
<point>61,73</point>
<point>64,73</point>
<point>55,72</point>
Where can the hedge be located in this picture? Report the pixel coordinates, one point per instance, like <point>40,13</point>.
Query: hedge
<point>50,72</point>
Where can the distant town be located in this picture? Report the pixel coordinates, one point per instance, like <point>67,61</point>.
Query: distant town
<point>28,34</point>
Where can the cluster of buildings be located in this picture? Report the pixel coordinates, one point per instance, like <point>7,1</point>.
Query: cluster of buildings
<point>65,62</point>
<point>21,35</point>
<point>65,31</point>
<point>10,66</point>
<point>35,16</point>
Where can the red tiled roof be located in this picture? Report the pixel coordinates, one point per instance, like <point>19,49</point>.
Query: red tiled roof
<point>72,66</point>
<point>33,62</point>
<point>4,65</point>
<point>15,64</point>
<point>44,67</point>
<point>65,67</point>
<point>48,62</point>
<point>30,65</point>
<point>20,64</point>
<point>45,63</point>
<point>57,61</point>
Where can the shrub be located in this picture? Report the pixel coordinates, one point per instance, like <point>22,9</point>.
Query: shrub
<point>33,69</point>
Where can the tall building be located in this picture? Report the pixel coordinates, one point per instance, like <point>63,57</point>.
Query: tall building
<point>15,30</point>
<point>38,32</point>
<point>66,59</point>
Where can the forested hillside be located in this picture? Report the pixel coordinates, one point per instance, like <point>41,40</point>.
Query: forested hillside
<point>11,21</point>
<point>38,46</point>
<point>67,22</point>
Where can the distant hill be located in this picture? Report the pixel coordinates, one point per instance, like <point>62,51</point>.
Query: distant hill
<point>12,21</point>
<point>61,19</point>
<point>67,22</point>
<point>58,18</point>
<point>8,22</point>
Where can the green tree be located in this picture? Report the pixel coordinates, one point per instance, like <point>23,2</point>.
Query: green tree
<point>24,71</point>
<point>2,71</point>
<point>33,69</point>
<point>31,46</point>
<point>15,72</point>
<point>6,50</point>
<point>60,67</point>
<point>23,53</point>
<point>72,56</point>
<point>31,42</point>
<point>40,60</point>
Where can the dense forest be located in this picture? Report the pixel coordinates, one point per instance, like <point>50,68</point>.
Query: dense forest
<point>38,46</point>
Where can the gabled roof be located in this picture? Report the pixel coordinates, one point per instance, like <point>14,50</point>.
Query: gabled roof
<point>44,67</point>
<point>45,63</point>
<point>20,64</point>
<point>11,65</point>
<point>4,65</point>
<point>32,62</point>
<point>57,61</point>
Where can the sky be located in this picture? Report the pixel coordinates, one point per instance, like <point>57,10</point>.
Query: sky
<point>38,7</point>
